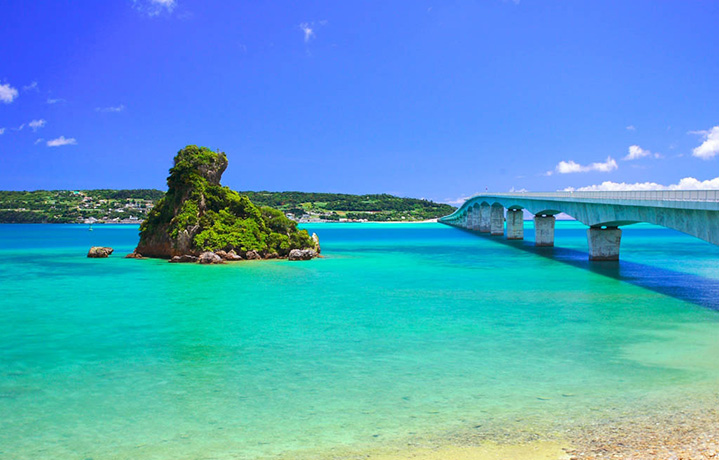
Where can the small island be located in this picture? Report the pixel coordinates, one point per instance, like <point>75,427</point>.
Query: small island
<point>199,220</point>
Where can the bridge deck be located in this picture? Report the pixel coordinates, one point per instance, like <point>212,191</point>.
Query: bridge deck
<point>695,212</point>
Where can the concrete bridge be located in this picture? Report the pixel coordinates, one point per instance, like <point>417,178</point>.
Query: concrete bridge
<point>694,212</point>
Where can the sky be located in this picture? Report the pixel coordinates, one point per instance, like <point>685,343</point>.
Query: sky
<point>427,99</point>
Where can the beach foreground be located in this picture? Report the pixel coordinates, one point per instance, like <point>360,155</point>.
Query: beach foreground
<point>675,432</point>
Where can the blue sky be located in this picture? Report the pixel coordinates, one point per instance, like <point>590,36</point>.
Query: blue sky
<point>417,98</point>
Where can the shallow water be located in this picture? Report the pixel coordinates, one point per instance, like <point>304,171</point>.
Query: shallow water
<point>402,330</point>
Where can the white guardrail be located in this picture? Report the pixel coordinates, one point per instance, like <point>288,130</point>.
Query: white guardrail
<point>650,195</point>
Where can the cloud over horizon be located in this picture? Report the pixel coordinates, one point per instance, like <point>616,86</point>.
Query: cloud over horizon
<point>60,141</point>
<point>571,167</point>
<point>7,93</point>
<point>308,31</point>
<point>155,7</point>
<point>118,108</point>
<point>37,124</point>
<point>687,183</point>
<point>636,152</point>
<point>710,147</point>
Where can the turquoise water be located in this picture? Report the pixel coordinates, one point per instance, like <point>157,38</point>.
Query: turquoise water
<point>402,330</point>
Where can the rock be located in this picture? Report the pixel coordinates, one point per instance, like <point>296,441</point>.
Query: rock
<point>186,258</point>
<point>99,252</point>
<point>253,255</point>
<point>272,255</point>
<point>134,255</point>
<point>316,239</point>
<point>302,254</point>
<point>210,258</point>
<point>196,206</point>
<point>232,255</point>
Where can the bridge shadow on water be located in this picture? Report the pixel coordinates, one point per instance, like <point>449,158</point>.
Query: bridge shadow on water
<point>692,288</point>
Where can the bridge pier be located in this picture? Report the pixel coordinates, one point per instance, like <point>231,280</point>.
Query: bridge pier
<point>474,222</point>
<point>544,230</point>
<point>515,224</point>
<point>694,212</point>
<point>496,220</point>
<point>484,218</point>
<point>604,243</point>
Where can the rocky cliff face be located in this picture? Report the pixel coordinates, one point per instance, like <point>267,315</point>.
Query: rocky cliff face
<point>198,215</point>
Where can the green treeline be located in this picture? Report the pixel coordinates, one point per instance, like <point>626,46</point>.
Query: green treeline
<point>67,206</point>
<point>333,206</point>
<point>71,206</point>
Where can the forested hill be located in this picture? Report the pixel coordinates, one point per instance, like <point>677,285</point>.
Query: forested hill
<point>72,206</point>
<point>340,206</point>
<point>131,206</point>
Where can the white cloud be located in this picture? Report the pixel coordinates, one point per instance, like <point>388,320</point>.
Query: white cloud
<point>636,152</point>
<point>570,167</point>
<point>155,7</point>
<point>710,147</point>
<point>39,141</point>
<point>688,183</point>
<point>307,29</point>
<point>19,128</point>
<point>118,108</point>
<point>7,93</point>
<point>457,201</point>
<point>32,85</point>
<point>61,141</point>
<point>2,131</point>
<point>631,128</point>
<point>167,5</point>
<point>55,101</point>
<point>37,124</point>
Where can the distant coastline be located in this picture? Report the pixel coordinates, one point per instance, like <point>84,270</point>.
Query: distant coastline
<point>131,206</point>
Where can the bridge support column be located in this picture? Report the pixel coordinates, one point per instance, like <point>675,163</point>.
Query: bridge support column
<point>474,219</point>
<point>544,230</point>
<point>484,218</point>
<point>496,220</point>
<point>604,243</point>
<point>515,224</point>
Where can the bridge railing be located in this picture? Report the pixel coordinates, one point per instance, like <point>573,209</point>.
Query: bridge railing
<point>653,195</point>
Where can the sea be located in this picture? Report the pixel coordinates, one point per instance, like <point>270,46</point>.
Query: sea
<point>399,333</point>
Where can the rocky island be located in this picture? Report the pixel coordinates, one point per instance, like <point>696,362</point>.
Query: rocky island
<point>199,220</point>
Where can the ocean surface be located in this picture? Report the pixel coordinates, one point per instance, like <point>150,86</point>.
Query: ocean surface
<point>401,331</point>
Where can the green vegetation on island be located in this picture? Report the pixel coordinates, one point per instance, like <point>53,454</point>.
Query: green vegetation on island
<point>197,215</point>
<point>132,206</point>
<point>304,206</point>
<point>72,206</point>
